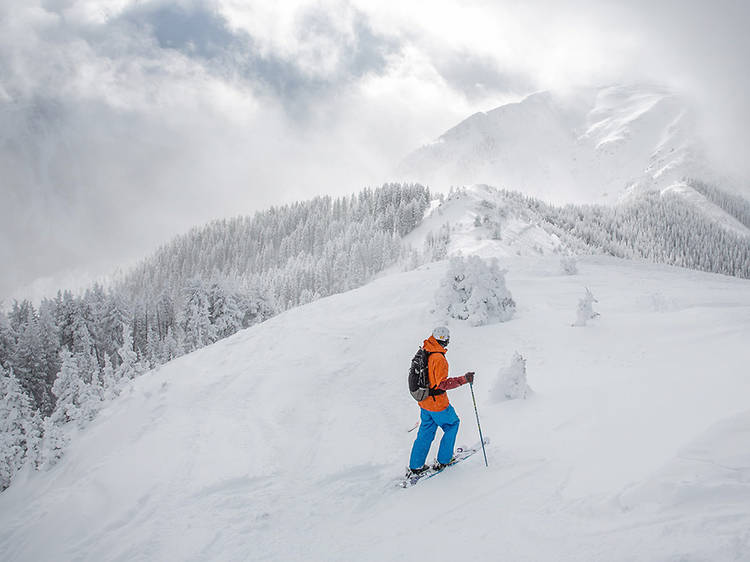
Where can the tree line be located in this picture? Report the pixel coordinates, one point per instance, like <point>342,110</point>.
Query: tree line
<point>662,228</point>
<point>61,360</point>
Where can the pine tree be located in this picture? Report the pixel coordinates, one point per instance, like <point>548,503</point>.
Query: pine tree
<point>6,340</point>
<point>66,310</point>
<point>196,324</point>
<point>130,367</point>
<point>77,400</point>
<point>224,311</point>
<point>50,342</point>
<point>109,381</point>
<point>19,431</point>
<point>97,304</point>
<point>28,357</point>
<point>84,349</point>
<point>67,389</point>
<point>511,383</point>
<point>475,290</point>
<point>569,265</point>
<point>585,310</point>
<point>53,443</point>
<point>171,348</point>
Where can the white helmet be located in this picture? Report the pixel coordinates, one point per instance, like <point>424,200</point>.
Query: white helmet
<point>441,334</point>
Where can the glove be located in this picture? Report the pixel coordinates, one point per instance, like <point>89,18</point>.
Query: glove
<point>469,377</point>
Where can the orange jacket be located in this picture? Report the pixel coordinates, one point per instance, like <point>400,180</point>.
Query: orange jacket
<point>437,366</point>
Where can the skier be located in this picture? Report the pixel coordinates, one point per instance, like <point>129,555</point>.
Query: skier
<point>435,410</point>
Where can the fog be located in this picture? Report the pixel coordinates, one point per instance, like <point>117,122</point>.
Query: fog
<point>123,123</point>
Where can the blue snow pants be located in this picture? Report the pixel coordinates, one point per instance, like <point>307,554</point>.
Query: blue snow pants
<point>448,421</point>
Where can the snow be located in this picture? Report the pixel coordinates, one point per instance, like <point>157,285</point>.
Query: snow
<point>519,236</point>
<point>587,146</point>
<point>708,208</point>
<point>284,441</point>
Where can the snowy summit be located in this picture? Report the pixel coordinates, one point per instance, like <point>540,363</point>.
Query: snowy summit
<point>585,146</point>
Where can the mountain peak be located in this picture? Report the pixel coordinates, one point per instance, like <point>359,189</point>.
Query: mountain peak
<point>588,145</point>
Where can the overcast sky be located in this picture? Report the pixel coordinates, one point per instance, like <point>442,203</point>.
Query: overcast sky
<point>125,122</point>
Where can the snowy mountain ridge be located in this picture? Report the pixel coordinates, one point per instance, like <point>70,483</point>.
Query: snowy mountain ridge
<point>590,146</point>
<point>687,224</point>
<point>284,441</point>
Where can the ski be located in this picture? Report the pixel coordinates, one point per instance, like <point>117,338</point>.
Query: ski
<point>461,454</point>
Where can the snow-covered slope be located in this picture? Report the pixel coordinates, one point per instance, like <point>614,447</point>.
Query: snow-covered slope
<point>518,234</point>
<point>283,441</point>
<point>593,145</point>
<point>491,223</point>
<point>707,207</point>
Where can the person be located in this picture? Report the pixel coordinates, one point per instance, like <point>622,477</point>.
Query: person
<point>435,410</point>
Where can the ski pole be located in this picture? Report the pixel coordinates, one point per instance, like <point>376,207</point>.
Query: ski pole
<point>471,386</point>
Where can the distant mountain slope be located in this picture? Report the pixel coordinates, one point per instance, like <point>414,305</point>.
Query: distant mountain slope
<point>273,260</point>
<point>593,145</point>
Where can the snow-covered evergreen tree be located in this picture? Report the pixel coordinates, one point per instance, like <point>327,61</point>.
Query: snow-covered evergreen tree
<point>19,428</point>
<point>171,346</point>
<point>53,443</point>
<point>569,265</point>
<point>475,290</point>
<point>6,340</point>
<point>109,382</point>
<point>27,360</point>
<point>84,350</point>
<point>511,383</point>
<point>130,366</point>
<point>196,322</point>
<point>225,313</point>
<point>50,342</point>
<point>436,245</point>
<point>77,400</point>
<point>585,310</point>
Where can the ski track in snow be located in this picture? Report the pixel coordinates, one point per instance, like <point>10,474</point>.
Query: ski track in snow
<point>285,441</point>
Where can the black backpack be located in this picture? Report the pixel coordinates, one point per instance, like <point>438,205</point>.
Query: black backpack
<point>419,378</point>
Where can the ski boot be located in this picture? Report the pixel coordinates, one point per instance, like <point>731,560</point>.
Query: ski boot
<point>416,471</point>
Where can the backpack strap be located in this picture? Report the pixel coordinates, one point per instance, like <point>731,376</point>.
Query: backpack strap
<point>433,391</point>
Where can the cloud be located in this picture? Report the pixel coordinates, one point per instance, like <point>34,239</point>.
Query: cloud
<point>196,30</point>
<point>479,76</point>
<point>329,54</point>
<point>124,122</point>
<point>702,49</point>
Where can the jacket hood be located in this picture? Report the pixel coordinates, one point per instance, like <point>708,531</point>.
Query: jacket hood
<point>431,345</point>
